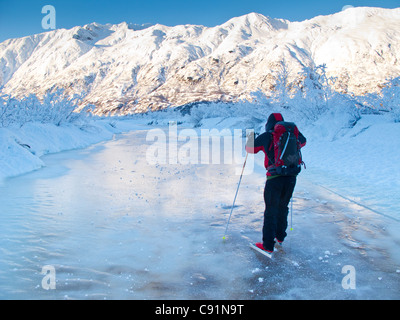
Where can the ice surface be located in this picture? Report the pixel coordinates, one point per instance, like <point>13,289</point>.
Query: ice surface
<point>115,227</point>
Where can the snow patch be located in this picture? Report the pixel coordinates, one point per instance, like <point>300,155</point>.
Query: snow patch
<point>22,147</point>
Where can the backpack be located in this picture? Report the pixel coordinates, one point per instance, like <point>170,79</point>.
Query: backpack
<point>287,154</point>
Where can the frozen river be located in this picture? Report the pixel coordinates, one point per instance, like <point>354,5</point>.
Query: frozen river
<point>112,226</point>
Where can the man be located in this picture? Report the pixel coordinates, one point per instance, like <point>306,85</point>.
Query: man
<point>278,188</point>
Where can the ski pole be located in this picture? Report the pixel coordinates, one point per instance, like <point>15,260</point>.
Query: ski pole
<point>237,190</point>
<point>291,215</point>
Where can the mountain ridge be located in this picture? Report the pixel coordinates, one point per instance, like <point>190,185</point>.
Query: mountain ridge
<point>126,68</point>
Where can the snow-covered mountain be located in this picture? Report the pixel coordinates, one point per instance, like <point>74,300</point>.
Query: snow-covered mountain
<point>132,68</point>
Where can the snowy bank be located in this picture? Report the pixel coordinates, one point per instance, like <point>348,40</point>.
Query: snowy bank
<point>22,147</point>
<point>361,162</point>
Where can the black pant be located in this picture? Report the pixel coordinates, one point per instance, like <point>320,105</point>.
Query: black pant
<point>277,194</point>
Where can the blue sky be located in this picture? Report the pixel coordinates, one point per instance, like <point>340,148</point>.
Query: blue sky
<point>24,17</point>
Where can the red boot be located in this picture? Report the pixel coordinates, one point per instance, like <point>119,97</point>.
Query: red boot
<point>260,246</point>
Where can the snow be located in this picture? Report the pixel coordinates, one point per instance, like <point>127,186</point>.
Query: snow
<point>22,147</point>
<point>360,163</point>
<point>161,66</point>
